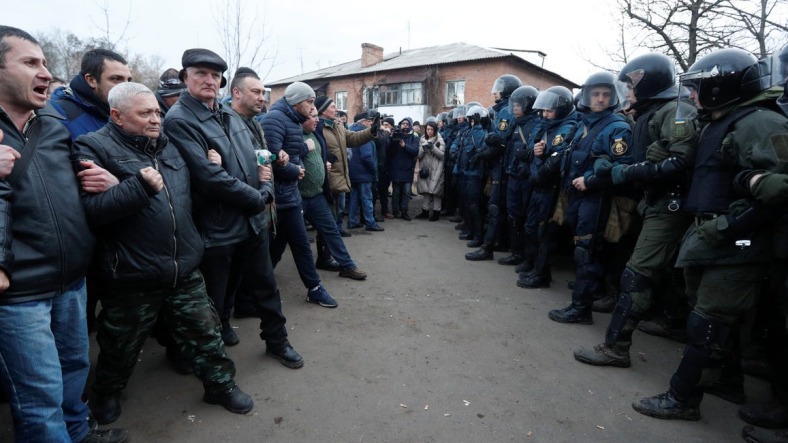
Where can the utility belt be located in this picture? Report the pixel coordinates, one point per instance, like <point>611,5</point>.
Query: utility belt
<point>672,198</point>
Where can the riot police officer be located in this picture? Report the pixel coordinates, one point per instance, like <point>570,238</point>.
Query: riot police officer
<point>495,145</point>
<point>725,253</point>
<point>549,140</point>
<point>452,184</point>
<point>667,144</point>
<point>601,134</point>
<point>518,189</point>
<point>469,168</point>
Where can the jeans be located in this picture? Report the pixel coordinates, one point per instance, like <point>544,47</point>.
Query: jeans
<point>361,195</point>
<point>44,365</point>
<point>400,197</point>
<point>318,213</point>
<point>292,231</point>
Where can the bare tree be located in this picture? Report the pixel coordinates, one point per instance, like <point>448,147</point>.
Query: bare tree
<point>686,29</point>
<point>146,70</point>
<point>243,36</point>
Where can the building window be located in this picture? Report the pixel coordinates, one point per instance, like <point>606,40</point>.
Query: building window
<point>340,99</point>
<point>401,94</point>
<point>455,93</point>
<point>371,97</point>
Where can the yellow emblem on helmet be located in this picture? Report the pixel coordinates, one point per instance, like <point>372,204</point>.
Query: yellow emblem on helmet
<point>503,125</point>
<point>619,147</point>
<point>558,140</point>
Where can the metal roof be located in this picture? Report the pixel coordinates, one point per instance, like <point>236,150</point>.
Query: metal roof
<point>434,55</point>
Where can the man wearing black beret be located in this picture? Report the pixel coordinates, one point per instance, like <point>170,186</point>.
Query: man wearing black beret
<point>232,191</point>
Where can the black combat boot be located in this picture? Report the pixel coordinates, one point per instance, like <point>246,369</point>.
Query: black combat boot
<point>106,408</point>
<point>524,267</point>
<point>425,214</point>
<point>435,215</point>
<point>666,406</point>
<point>532,281</point>
<point>765,415</point>
<point>483,253</point>
<point>324,259</point>
<point>572,314</point>
<point>475,242</point>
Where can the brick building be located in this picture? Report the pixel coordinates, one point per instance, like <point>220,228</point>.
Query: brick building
<point>419,82</point>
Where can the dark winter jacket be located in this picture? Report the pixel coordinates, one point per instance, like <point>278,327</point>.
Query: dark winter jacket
<point>402,160</point>
<point>83,111</point>
<point>362,162</point>
<point>282,127</point>
<point>145,238</point>
<point>229,200</point>
<point>45,242</point>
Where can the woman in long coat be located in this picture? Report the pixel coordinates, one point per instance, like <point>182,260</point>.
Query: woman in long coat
<point>430,184</point>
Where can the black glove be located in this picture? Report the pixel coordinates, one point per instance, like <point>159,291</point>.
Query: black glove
<point>375,122</point>
<point>493,139</point>
<point>428,146</point>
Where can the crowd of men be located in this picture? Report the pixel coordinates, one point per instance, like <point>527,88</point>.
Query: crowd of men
<point>172,208</point>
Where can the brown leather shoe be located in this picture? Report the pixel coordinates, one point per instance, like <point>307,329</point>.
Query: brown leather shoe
<point>353,273</point>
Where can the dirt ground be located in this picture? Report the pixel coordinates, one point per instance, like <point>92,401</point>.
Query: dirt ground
<point>430,348</point>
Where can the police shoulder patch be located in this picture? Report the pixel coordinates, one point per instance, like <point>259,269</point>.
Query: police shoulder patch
<point>503,125</point>
<point>558,140</point>
<point>619,147</point>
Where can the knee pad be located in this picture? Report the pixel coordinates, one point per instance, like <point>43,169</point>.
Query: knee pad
<point>631,281</point>
<point>705,333</point>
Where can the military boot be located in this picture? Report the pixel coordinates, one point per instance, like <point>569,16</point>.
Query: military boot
<point>425,214</point>
<point>618,337</point>
<point>572,314</point>
<point>765,415</point>
<point>532,281</point>
<point>605,304</point>
<point>324,259</point>
<point>666,406</point>
<point>755,435</point>
<point>524,267</point>
<point>483,253</point>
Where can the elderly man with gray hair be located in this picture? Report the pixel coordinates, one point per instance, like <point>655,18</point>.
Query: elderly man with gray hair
<point>148,255</point>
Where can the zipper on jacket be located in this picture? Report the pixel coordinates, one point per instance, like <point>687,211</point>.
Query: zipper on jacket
<point>174,223</point>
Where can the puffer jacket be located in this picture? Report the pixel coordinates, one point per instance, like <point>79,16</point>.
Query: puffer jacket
<point>229,200</point>
<point>83,112</point>
<point>282,127</point>
<point>45,242</point>
<point>338,139</point>
<point>362,164</point>
<point>145,238</point>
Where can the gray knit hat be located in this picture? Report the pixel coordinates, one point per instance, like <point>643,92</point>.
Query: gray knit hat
<point>298,92</point>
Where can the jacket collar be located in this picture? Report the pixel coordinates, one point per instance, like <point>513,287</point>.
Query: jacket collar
<point>138,142</point>
<point>202,112</point>
<point>80,91</point>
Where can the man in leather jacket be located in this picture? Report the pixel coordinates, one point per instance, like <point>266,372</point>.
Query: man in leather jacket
<point>148,255</point>
<point>45,251</point>
<point>229,199</point>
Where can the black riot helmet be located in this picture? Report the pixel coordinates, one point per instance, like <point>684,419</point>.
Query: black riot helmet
<point>725,77</point>
<point>558,99</point>
<point>478,114</point>
<point>523,98</point>
<point>443,117</point>
<point>651,77</point>
<point>431,118</point>
<point>594,88</point>
<point>458,112</point>
<point>504,86</point>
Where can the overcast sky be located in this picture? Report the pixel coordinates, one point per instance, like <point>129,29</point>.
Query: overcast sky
<point>311,34</point>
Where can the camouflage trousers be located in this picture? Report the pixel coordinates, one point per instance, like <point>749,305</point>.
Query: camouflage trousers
<point>126,320</point>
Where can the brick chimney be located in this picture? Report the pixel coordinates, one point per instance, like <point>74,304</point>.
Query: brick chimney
<point>370,54</point>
